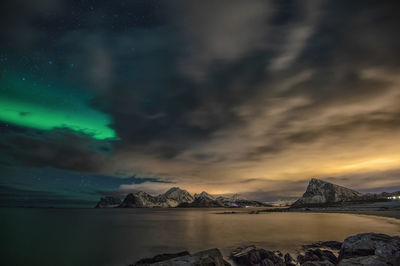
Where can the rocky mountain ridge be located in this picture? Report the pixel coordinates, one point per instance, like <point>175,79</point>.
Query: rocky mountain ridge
<point>322,192</point>
<point>176,197</point>
<point>170,199</point>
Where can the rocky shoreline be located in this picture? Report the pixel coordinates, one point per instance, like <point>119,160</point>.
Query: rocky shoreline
<point>371,249</point>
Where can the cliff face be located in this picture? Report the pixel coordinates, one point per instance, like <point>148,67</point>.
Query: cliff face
<point>321,192</point>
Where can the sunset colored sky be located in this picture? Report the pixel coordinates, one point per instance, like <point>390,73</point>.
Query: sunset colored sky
<point>253,97</point>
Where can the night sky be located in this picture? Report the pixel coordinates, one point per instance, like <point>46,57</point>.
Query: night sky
<point>256,97</point>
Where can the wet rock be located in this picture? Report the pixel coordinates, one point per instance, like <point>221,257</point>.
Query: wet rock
<point>211,257</point>
<point>317,255</point>
<point>243,255</point>
<point>377,247</point>
<point>289,261</point>
<point>334,245</point>
<point>318,263</point>
<point>252,256</point>
<point>365,261</point>
<point>161,257</point>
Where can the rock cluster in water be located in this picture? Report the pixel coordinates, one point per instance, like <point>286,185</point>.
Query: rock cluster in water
<point>368,249</point>
<point>176,197</point>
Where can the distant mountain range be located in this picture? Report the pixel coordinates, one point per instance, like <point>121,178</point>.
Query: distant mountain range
<point>176,197</point>
<point>318,192</point>
<point>206,200</point>
<point>172,198</point>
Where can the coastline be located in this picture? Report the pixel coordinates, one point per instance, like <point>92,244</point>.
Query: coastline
<point>359,249</point>
<point>387,214</point>
<point>389,209</point>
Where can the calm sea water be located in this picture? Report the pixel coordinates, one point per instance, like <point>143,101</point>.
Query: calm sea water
<point>122,236</point>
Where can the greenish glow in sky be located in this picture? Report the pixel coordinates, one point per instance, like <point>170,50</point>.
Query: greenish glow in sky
<point>27,103</point>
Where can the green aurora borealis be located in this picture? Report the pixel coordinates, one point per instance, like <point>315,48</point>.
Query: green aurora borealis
<point>28,103</point>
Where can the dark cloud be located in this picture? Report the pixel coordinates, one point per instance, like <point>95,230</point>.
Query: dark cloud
<point>60,149</point>
<point>230,85</point>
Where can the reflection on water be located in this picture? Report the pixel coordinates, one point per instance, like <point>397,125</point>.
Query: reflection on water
<point>122,236</point>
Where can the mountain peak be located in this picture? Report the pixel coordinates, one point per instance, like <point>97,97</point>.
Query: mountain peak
<point>173,189</point>
<point>177,194</point>
<point>204,195</point>
<point>319,192</point>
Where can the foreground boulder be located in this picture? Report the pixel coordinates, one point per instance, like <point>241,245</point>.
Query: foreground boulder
<point>161,257</point>
<point>321,192</point>
<point>317,257</point>
<point>370,249</point>
<point>252,256</point>
<point>211,257</point>
<point>289,261</point>
<point>334,245</point>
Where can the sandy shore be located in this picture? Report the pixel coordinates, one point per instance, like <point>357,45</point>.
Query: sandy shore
<point>385,209</point>
<point>382,213</point>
